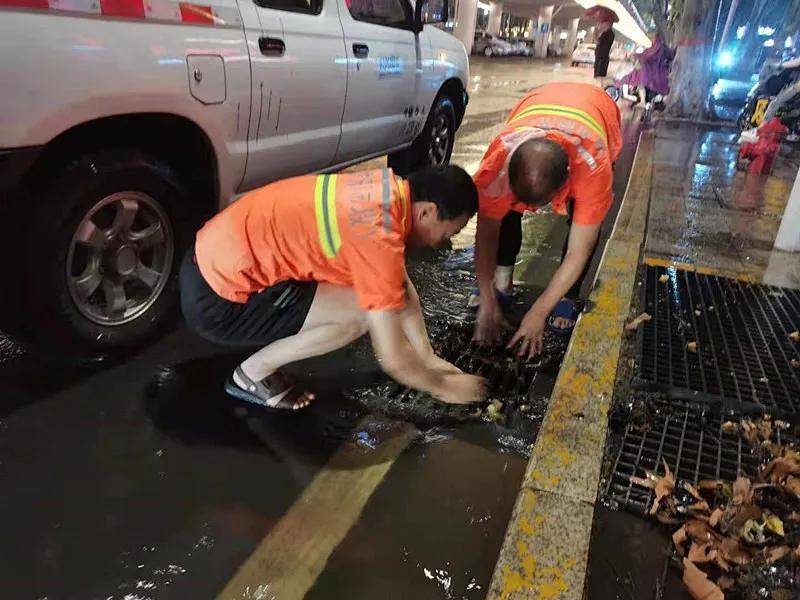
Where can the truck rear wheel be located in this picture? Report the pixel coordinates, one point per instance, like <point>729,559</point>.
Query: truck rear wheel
<point>104,250</point>
<point>434,145</point>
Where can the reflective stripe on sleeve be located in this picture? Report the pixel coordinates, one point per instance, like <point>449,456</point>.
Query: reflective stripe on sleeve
<point>325,209</point>
<point>387,201</point>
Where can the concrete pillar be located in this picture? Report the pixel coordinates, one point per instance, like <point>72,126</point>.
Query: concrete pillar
<point>464,29</point>
<point>494,18</point>
<point>545,21</point>
<point>572,37</point>
<point>788,238</point>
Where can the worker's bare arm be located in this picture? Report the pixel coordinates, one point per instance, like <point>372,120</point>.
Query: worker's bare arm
<point>413,325</point>
<point>490,317</point>
<point>581,244</point>
<point>402,362</point>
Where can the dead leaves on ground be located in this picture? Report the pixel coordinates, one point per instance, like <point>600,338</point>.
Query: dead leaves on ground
<point>723,527</point>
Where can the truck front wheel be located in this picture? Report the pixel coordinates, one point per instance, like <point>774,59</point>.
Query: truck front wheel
<point>434,145</point>
<point>104,251</point>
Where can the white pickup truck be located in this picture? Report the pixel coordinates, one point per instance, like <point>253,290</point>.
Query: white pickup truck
<point>125,123</point>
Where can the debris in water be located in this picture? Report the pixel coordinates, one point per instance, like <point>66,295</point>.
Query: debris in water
<point>634,325</point>
<point>365,439</point>
<point>795,363</point>
<point>664,278</point>
<point>494,410</point>
<point>795,336</point>
<point>692,346</point>
<point>697,312</point>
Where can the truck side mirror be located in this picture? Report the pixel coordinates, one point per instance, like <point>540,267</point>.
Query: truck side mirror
<point>428,12</point>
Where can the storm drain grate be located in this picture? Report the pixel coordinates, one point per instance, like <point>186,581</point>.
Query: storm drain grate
<point>689,438</point>
<point>509,378</point>
<point>720,338</point>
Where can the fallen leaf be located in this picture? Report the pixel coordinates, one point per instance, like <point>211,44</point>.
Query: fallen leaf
<point>700,553</point>
<point>664,487</point>
<point>692,346</point>
<point>742,494</point>
<point>725,582</point>
<point>692,490</point>
<point>793,485</point>
<point>679,538</point>
<point>795,363</point>
<point>774,524</point>
<point>709,484</point>
<point>795,336</point>
<point>698,531</point>
<point>732,551</point>
<point>777,469</point>
<point>715,517</point>
<point>729,427</point>
<point>697,313</point>
<point>722,563</point>
<point>776,553</point>
<point>753,532</point>
<point>634,325</point>
<point>664,278</point>
<point>699,586</point>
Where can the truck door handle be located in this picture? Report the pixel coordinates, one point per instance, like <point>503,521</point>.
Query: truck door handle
<point>271,46</point>
<point>360,50</point>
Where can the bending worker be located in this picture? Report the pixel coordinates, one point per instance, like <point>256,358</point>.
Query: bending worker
<point>557,148</point>
<point>305,266</point>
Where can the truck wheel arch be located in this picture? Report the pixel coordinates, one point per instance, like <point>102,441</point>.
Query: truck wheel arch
<point>176,140</point>
<point>454,89</point>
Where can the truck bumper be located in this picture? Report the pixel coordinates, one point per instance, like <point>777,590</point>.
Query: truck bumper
<point>14,165</point>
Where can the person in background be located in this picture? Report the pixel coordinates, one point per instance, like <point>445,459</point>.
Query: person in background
<point>558,147</point>
<point>305,266</point>
<point>652,74</point>
<point>602,51</point>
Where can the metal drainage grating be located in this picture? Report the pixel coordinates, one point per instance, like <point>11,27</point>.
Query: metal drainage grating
<point>743,352</point>
<point>509,378</point>
<point>689,438</point>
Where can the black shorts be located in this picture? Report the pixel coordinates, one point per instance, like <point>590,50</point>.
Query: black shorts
<point>271,314</point>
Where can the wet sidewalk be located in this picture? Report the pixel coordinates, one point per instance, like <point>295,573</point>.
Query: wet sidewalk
<point>707,214</point>
<point>707,217</point>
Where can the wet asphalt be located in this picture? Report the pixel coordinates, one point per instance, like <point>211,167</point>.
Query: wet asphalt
<point>141,479</point>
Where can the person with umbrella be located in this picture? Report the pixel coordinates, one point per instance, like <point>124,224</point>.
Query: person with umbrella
<point>602,53</point>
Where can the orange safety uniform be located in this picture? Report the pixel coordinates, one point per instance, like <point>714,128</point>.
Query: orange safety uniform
<point>585,122</point>
<point>347,229</point>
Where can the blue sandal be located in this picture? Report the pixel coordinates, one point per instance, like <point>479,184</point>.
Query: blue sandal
<point>566,309</point>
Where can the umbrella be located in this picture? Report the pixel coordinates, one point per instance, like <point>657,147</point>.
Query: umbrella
<point>602,14</point>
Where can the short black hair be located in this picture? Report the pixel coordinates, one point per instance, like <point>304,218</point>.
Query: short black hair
<point>449,187</point>
<point>537,169</point>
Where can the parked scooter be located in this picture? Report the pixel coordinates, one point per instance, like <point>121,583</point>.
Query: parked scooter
<point>776,82</point>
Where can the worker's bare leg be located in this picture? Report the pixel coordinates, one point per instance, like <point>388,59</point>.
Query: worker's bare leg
<point>333,321</point>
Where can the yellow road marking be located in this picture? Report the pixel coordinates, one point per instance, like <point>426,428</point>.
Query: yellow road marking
<point>289,559</point>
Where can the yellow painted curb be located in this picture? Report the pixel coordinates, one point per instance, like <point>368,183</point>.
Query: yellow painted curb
<point>545,551</point>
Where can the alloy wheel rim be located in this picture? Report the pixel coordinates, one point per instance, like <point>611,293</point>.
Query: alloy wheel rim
<point>120,258</point>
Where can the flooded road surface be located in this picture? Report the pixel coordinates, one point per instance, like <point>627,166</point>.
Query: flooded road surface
<point>143,480</point>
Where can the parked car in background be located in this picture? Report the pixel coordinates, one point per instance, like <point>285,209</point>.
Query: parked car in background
<point>520,48</point>
<point>490,45</point>
<point>124,125</point>
<point>583,55</point>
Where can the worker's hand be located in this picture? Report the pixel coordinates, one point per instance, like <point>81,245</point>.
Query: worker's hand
<point>460,388</point>
<point>439,364</point>
<point>490,322</point>
<point>530,335</point>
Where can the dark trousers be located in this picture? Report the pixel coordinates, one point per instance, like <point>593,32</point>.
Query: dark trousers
<point>511,242</point>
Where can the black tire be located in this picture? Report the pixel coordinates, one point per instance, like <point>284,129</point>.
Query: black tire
<point>422,153</point>
<point>78,189</point>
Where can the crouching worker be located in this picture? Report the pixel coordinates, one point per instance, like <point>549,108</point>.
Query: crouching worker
<point>307,265</point>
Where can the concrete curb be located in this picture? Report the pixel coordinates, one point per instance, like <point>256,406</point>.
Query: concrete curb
<point>546,547</point>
